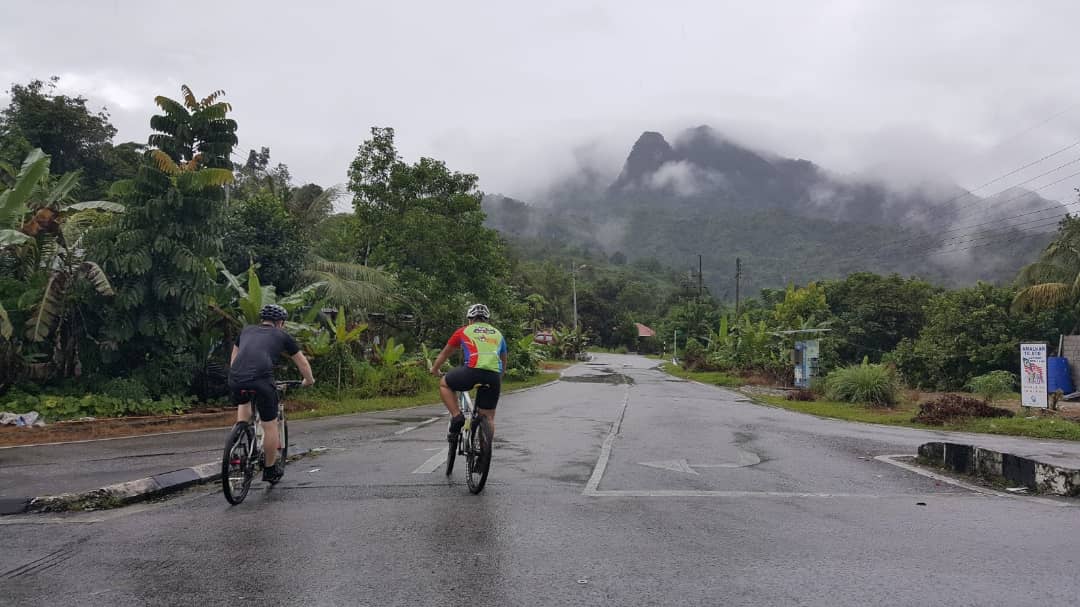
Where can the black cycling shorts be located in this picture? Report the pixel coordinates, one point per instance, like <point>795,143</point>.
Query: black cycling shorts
<point>463,379</point>
<point>265,393</point>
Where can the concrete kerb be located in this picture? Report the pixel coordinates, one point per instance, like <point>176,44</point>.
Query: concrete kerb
<point>120,494</point>
<point>1026,471</point>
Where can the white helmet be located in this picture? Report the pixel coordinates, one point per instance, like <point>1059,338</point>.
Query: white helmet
<point>478,311</point>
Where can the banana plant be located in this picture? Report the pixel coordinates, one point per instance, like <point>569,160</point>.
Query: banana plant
<point>59,225</point>
<point>390,354</point>
<point>14,201</point>
<point>6,330</point>
<point>341,338</point>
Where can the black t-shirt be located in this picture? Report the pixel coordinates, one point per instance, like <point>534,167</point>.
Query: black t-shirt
<point>260,346</point>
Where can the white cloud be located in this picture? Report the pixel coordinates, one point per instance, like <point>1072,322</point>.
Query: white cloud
<point>507,90</point>
<point>684,178</point>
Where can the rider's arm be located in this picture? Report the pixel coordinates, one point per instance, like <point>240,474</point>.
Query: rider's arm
<point>304,366</point>
<point>235,351</point>
<point>503,353</point>
<point>441,358</point>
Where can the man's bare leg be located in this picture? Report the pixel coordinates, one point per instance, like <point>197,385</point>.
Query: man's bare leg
<point>271,442</point>
<point>243,412</point>
<point>449,398</point>
<point>490,415</point>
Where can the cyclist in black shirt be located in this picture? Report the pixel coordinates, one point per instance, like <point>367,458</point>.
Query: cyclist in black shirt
<point>252,370</point>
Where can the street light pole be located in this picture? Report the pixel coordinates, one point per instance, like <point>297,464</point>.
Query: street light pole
<point>574,268</point>
<point>573,286</point>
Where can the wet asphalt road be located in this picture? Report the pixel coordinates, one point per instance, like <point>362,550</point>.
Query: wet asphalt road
<point>81,466</point>
<point>699,499</point>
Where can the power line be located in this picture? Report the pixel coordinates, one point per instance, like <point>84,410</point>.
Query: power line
<point>971,192</point>
<point>1025,131</point>
<point>1053,170</point>
<point>995,204</point>
<point>922,240</point>
<point>1030,233</point>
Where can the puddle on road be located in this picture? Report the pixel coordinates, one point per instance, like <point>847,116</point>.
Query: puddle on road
<point>609,378</point>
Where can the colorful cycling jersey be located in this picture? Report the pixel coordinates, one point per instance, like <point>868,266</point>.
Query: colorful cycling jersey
<point>482,344</point>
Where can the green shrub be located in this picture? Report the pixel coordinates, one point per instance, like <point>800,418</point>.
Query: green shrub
<point>865,383</point>
<point>337,369</point>
<point>125,389</point>
<point>56,407</point>
<point>693,355</point>
<point>524,358</point>
<point>405,380</point>
<point>993,385</point>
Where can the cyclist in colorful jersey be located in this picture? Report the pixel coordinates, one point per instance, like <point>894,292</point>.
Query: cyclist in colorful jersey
<point>484,349</point>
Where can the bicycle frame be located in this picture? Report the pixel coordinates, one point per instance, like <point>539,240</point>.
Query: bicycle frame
<point>466,405</point>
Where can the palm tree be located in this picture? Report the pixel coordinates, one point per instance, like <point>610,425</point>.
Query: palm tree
<point>349,285</point>
<point>1053,280</point>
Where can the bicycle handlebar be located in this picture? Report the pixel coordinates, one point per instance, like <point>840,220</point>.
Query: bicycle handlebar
<point>289,383</point>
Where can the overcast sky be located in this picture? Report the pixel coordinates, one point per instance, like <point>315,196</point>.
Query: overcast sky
<point>519,91</point>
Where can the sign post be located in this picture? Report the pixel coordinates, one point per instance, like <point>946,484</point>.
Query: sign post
<point>1033,375</point>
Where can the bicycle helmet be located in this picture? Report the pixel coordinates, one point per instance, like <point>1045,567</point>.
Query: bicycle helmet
<point>478,312</point>
<point>273,313</point>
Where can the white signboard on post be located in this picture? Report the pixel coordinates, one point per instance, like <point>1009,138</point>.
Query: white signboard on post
<point>1033,375</point>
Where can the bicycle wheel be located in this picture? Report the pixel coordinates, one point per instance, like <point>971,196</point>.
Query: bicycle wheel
<point>237,467</point>
<point>478,459</point>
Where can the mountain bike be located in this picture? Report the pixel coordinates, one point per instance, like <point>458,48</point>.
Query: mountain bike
<point>243,455</point>
<point>474,442</point>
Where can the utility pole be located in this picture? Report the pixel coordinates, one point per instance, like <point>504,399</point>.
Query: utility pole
<point>738,277</point>
<point>573,287</point>
<point>700,281</point>
<point>574,267</point>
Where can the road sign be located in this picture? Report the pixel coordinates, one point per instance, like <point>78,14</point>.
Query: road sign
<point>1033,375</point>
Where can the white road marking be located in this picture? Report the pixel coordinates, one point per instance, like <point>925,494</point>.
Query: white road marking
<point>767,494</point>
<point>681,465</point>
<point>420,425</point>
<point>605,449</point>
<point>432,463</point>
<point>675,465</point>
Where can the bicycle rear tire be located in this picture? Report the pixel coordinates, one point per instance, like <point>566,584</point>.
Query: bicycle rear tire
<point>478,460</point>
<point>236,460</point>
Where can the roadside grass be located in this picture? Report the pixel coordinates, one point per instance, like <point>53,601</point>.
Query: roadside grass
<point>1037,427</point>
<point>325,406</point>
<point>1032,427</point>
<point>715,378</point>
<point>895,416</point>
<point>554,364</point>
